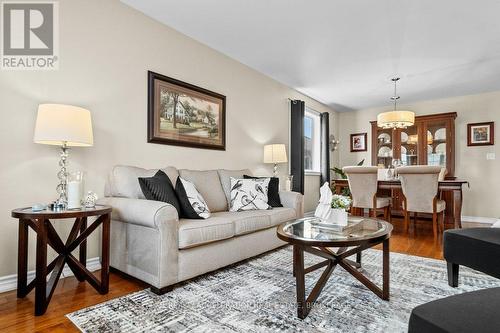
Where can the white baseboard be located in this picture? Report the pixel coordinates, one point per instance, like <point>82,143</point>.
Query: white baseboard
<point>9,282</point>
<point>479,219</point>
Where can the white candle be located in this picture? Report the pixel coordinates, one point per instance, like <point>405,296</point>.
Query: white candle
<point>74,190</point>
<point>288,185</point>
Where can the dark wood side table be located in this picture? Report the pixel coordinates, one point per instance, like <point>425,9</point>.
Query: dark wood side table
<point>47,235</point>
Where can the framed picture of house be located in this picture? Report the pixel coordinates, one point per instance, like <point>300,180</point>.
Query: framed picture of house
<point>481,134</point>
<point>183,114</point>
<point>358,142</point>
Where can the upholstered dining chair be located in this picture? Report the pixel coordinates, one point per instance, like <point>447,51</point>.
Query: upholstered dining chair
<point>420,193</point>
<point>363,184</point>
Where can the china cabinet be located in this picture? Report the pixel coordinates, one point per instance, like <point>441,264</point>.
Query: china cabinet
<point>431,141</point>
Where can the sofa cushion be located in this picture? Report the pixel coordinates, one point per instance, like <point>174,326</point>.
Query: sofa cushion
<point>209,185</point>
<point>123,180</point>
<point>281,214</point>
<point>253,220</point>
<point>247,221</point>
<point>225,180</point>
<point>198,232</point>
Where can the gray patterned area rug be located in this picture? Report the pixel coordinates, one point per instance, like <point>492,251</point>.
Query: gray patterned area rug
<point>259,296</point>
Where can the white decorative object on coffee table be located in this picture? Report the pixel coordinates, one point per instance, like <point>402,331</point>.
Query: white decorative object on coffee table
<point>332,209</point>
<point>325,200</point>
<point>338,216</point>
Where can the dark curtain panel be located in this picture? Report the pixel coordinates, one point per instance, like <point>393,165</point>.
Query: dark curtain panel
<point>297,145</point>
<point>325,148</point>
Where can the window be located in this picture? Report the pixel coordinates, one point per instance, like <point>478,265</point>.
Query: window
<point>312,143</point>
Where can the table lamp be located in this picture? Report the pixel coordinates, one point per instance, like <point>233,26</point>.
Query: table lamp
<point>274,154</point>
<point>65,126</point>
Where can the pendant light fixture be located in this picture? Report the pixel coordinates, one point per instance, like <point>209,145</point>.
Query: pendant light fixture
<point>397,118</point>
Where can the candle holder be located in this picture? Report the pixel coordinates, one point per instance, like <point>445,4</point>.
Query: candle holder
<point>74,189</point>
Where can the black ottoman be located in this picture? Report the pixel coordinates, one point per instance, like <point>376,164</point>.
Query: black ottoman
<point>477,248</point>
<point>477,312</point>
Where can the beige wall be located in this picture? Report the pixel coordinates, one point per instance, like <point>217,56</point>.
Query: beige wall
<point>106,49</point>
<point>481,200</point>
<point>311,192</point>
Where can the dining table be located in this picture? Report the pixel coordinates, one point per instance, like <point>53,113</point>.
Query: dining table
<point>453,185</point>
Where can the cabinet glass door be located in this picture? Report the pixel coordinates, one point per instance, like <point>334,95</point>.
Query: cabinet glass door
<point>436,144</point>
<point>409,146</point>
<point>384,147</point>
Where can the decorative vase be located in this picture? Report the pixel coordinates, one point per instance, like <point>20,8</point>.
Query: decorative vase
<point>338,216</point>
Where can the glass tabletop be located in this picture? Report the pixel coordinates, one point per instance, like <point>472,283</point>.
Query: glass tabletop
<point>314,229</point>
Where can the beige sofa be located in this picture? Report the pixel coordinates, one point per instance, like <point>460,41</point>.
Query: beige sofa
<point>151,243</point>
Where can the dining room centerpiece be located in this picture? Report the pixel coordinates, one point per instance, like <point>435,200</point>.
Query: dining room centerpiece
<point>339,207</point>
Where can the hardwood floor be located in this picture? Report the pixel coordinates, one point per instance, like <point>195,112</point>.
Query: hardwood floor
<point>16,315</point>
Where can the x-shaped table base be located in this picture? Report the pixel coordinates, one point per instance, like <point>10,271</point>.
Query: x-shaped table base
<point>332,259</point>
<point>47,235</point>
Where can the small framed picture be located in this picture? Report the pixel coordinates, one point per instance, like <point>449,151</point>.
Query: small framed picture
<point>358,142</point>
<point>481,134</point>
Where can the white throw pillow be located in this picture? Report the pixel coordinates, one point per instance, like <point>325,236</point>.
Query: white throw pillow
<point>249,194</point>
<point>195,199</point>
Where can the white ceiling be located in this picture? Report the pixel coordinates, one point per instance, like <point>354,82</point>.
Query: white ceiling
<point>344,52</point>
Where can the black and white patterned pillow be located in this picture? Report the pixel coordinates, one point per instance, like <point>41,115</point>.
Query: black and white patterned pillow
<point>193,206</point>
<point>249,194</point>
<point>273,191</point>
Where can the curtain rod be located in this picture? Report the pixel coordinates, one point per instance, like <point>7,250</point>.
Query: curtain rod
<point>308,107</point>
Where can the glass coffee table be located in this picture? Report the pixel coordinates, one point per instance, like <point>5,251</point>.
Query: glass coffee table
<point>317,238</point>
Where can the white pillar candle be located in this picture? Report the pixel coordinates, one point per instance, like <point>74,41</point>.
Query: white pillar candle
<point>288,185</point>
<point>74,189</point>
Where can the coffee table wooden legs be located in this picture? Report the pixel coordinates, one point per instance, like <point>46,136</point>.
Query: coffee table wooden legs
<point>298,270</point>
<point>332,260</point>
<point>385,270</point>
<point>46,235</point>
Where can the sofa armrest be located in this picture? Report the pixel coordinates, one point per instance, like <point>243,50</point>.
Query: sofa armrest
<point>146,213</point>
<point>293,200</point>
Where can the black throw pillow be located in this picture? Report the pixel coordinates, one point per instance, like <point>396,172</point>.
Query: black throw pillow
<point>273,191</point>
<point>159,188</point>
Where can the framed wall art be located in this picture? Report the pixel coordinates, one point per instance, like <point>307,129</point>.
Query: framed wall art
<point>183,114</point>
<point>481,134</point>
<point>358,142</point>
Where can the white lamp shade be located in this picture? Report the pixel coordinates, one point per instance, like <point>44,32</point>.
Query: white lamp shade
<point>396,119</point>
<point>275,153</point>
<point>57,124</point>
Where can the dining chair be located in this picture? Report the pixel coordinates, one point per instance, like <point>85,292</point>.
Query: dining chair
<point>442,174</point>
<point>363,184</point>
<point>420,193</point>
